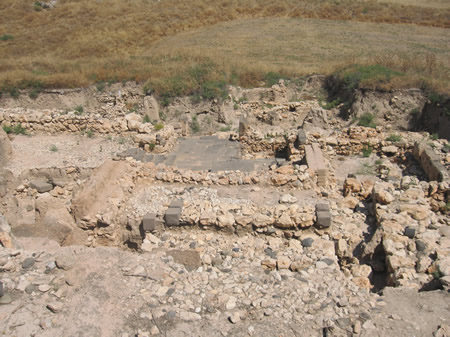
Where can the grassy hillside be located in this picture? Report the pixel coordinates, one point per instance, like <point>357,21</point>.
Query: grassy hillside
<point>80,42</point>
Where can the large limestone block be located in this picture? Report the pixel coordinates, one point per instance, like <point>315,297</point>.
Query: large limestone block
<point>101,195</point>
<point>5,148</point>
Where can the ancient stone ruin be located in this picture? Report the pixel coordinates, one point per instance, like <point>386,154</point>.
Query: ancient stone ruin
<point>245,216</point>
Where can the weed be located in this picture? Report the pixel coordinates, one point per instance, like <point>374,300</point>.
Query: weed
<point>89,133</point>
<point>434,136</point>
<point>146,119</point>
<point>367,150</point>
<point>243,99</point>
<point>195,126</point>
<point>159,126</point>
<point>436,98</point>
<point>330,105</point>
<point>378,162</point>
<point>272,78</point>
<point>17,129</point>
<point>6,37</point>
<point>162,115</point>
<point>366,169</point>
<point>53,148</point>
<point>367,120</point>
<point>122,140</point>
<point>79,110</point>
<point>100,86</point>
<point>38,6</point>
<point>7,129</point>
<point>225,128</point>
<point>447,207</point>
<point>235,106</point>
<point>269,106</point>
<point>394,138</point>
<point>151,146</point>
<point>34,93</point>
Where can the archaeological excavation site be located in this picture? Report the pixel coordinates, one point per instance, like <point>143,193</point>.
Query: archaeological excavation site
<point>266,213</point>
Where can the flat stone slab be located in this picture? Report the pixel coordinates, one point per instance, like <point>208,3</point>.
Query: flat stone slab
<point>41,186</point>
<point>314,157</point>
<point>206,153</point>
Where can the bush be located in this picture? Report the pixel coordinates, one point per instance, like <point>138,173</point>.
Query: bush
<point>367,120</point>
<point>367,151</point>
<point>100,86</point>
<point>195,126</point>
<point>7,129</point>
<point>225,128</point>
<point>330,105</point>
<point>53,148</point>
<point>6,37</point>
<point>434,136</point>
<point>159,126</point>
<point>17,129</point>
<point>146,119</point>
<point>89,133</point>
<point>79,110</point>
<point>272,78</point>
<point>394,138</point>
<point>152,146</point>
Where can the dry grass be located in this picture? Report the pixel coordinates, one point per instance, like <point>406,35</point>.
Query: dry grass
<point>83,41</point>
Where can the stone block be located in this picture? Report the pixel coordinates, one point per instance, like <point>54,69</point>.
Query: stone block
<point>322,206</point>
<point>177,203</point>
<point>301,137</point>
<point>243,127</point>
<point>172,216</point>
<point>41,186</point>
<point>149,222</point>
<point>323,219</point>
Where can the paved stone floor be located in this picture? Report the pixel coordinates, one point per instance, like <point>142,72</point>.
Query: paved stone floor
<point>203,153</point>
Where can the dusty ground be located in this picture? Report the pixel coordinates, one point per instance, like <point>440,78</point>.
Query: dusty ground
<point>40,151</point>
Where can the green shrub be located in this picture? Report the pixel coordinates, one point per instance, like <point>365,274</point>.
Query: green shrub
<point>7,129</point>
<point>367,151</point>
<point>79,110</point>
<point>434,136</point>
<point>195,126</point>
<point>146,119</point>
<point>89,133</point>
<point>367,120</point>
<point>34,93</point>
<point>16,129</point>
<point>330,105</point>
<point>272,78</point>
<point>122,140</point>
<point>394,138</point>
<point>159,126</point>
<point>152,146</point>
<point>357,75</point>
<point>6,37</point>
<point>53,148</point>
<point>100,86</point>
